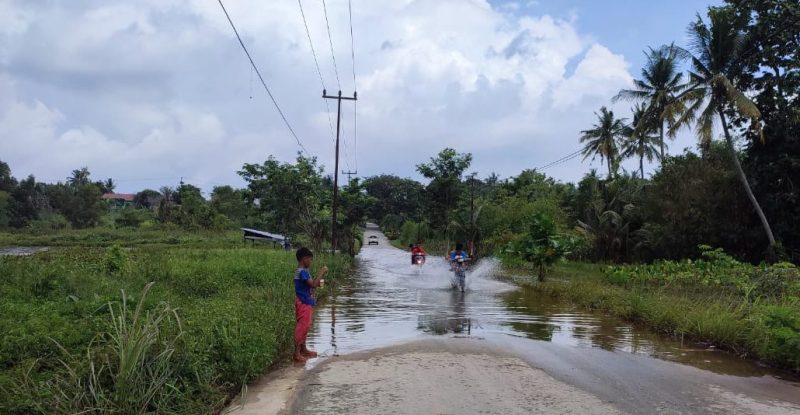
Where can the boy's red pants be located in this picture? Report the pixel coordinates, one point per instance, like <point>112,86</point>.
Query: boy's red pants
<point>302,313</point>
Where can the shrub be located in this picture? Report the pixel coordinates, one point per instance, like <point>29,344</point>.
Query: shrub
<point>133,218</point>
<point>50,222</point>
<point>542,245</point>
<point>128,369</point>
<point>715,269</point>
<point>115,259</point>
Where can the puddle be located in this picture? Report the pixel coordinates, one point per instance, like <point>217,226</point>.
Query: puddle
<point>388,301</point>
<point>21,250</point>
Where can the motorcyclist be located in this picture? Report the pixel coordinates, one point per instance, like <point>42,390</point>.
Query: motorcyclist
<point>417,250</point>
<point>458,252</point>
<point>457,259</point>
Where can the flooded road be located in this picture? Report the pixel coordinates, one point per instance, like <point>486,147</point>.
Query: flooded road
<point>395,338</point>
<point>389,301</point>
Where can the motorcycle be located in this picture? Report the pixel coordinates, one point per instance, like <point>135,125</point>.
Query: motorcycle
<point>418,259</point>
<point>459,279</point>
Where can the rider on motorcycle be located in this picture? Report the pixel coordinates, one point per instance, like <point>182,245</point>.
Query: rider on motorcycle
<point>457,259</point>
<point>417,251</point>
<point>458,252</point>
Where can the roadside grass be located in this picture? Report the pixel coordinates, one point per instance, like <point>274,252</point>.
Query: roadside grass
<point>101,237</point>
<point>761,322</point>
<point>521,273</point>
<point>84,331</point>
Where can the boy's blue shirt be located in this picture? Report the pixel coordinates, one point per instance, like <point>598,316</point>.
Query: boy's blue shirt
<point>301,288</point>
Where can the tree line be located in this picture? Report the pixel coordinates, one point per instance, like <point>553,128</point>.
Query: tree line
<point>737,191</point>
<point>292,199</point>
<point>742,80</point>
<point>736,84</point>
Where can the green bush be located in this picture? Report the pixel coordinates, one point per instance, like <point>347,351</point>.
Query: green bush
<point>542,245</point>
<point>411,232</point>
<point>49,222</point>
<point>115,259</point>
<point>716,270</point>
<point>133,218</point>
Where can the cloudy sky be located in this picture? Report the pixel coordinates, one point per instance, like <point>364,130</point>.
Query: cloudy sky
<point>150,91</point>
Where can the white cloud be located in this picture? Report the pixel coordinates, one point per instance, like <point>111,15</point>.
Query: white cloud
<point>600,73</point>
<point>161,88</point>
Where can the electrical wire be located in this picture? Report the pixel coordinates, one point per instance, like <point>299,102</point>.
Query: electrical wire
<point>330,40</point>
<point>319,72</point>
<point>562,160</point>
<point>355,88</point>
<point>338,81</point>
<point>255,68</point>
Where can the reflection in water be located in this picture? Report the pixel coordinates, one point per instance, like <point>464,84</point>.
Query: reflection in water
<point>388,301</point>
<point>449,319</point>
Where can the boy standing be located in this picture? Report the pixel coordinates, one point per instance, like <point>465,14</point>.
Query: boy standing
<point>304,302</point>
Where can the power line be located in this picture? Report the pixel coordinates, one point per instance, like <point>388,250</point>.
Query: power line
<point>355,88</point>
<point>255,68</point>
<point>352,43</point>
<point>316,62</point>
<point>336,71</point>
<point>562,160</point>
<point>330,40</point>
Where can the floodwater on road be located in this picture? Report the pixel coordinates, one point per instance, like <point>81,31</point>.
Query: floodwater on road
<point>397,328</point>
<point>389,301</point>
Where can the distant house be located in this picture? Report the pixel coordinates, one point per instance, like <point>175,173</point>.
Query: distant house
<point>119,200</point>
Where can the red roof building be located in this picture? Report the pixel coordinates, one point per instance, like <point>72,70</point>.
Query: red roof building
<point>122,197</point>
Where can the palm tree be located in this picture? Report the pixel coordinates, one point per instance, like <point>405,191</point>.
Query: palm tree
<point>639,141</point>
<point>661,82</point>
<point>711,91</point>
<point>109,185</point>
<point>79,177</point>
<point>601,140</point>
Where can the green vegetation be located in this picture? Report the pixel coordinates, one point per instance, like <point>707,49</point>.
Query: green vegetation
<point>542,246</point>
<point>737,189</point>
<point>737,193</point>
<point>85,331</point>
<point>749,310</point>
<point>292,199</point>
<point>82,332</point>
<point>101,237</point>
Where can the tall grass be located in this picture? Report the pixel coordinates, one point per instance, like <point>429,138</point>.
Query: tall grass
<point>762,323</point>
<point>103,237</point>
<point>213,320</point>
<point>131,368</point>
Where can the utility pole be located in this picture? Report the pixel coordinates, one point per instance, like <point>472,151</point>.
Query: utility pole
<point>350,175</point>
<point>472,214</point>
<point>339,99</point>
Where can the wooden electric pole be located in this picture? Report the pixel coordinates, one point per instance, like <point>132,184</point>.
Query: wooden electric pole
<point>349,175</point>
<point>339,99</point>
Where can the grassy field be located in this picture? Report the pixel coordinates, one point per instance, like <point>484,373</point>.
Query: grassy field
<point>83,330</point>
<point>751,311</point>
<point>102,237</point>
